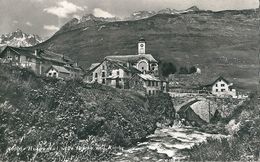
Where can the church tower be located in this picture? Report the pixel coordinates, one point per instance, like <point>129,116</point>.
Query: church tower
<point>141,46</point>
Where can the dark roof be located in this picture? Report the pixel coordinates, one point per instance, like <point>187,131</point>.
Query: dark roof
<point>20,51</point>
<point>131,58</point>
<point>117,64</point>
<point>42,54</point>
<point>142,40</point>
<point>125,68</point>
<point>216,80</point>
<point>59,69</point>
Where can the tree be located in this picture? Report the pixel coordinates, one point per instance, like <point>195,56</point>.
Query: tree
<point>183,70</point>
<point>168,68</point>
<point>192,70</point>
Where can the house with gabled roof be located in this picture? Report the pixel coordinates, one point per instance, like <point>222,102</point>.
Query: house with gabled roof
<point>39,61</point>
<point>112,73</point>
<point>58,72</point>
<point>221,87</point>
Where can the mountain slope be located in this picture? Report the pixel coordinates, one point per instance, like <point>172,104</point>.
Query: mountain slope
<point>19,38</point>
<point>217,42</point>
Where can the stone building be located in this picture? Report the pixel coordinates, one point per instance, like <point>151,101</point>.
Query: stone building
<point>39,61</point>
<point>148,83</point>
<point>122,71</point>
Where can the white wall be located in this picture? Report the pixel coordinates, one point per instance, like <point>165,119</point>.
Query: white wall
<point>221,88</point>
<point>51,73</point>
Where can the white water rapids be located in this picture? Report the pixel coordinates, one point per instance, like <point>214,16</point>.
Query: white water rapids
<point>165,145</point>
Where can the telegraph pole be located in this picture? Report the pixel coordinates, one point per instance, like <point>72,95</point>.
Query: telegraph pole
<point>209,110</point>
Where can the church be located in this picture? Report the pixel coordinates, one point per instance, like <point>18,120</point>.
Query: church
<point>139,72</point>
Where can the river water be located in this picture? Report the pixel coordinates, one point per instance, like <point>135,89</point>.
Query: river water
<point>165,145</point>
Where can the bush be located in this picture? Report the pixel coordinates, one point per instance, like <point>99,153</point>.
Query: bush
<point>244,144</point>
<point>45,118</point>
<point>168,68</point>
<point>183,70</point>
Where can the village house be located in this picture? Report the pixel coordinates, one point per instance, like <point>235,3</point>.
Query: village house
<point>42,62</point>
<point>222,88</point>
<point>148,83</point>
<point>124,71</point>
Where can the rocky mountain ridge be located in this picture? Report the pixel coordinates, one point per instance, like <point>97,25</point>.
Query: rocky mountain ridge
<point>20,39</point>
<point>91,20</point>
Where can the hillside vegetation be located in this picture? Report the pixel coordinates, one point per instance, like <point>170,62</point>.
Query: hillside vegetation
<point>224,42</point>
<point>244,144</point>
<point>55,120</point>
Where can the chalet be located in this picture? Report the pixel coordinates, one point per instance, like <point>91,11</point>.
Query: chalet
<point>222,88</point>
<point>58,72</point>
<point>123,71</point>
<point>39,61</point>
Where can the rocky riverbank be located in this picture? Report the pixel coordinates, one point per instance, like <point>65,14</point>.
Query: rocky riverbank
<point>165,144</point>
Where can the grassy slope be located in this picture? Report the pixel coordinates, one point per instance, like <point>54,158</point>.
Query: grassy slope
<point>219,43</point>
<point>46,113</point>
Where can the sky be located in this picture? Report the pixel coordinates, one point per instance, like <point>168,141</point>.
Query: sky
<point>45,17</point>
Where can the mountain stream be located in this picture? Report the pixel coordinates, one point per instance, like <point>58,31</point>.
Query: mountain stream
<point>165,145</point>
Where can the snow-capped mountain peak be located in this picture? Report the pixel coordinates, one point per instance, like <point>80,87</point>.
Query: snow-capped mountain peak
<point>20,39</point>
<point>141,15</point>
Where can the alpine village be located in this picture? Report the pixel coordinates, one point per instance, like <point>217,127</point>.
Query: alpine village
<point>130,101</point>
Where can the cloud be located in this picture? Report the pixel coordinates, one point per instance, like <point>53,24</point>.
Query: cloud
<point>15,22</point>
<point>101,13</point>
<point>51,27</point>
<point>64,9</point>
<point>36,0</point>
<point>28,23</point>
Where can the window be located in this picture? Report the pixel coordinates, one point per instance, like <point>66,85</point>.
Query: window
<point>118,72</point>
<point>55,74</point>
<point>49,74</point>
<point>9,57</point>
<point>149,83</point>
<point>149,92</point>
<point>110,73</point>
<point>152,83</point>
<point>222,85</point>
<point>103,74</point>
<point>28,59</point>
<point>96,75</point>
<point>157,84</point>
<point>222,90</point>
<point>216,85</point>
<point>216,90</point>
<point>103,81</point>
<point>103,67</point>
